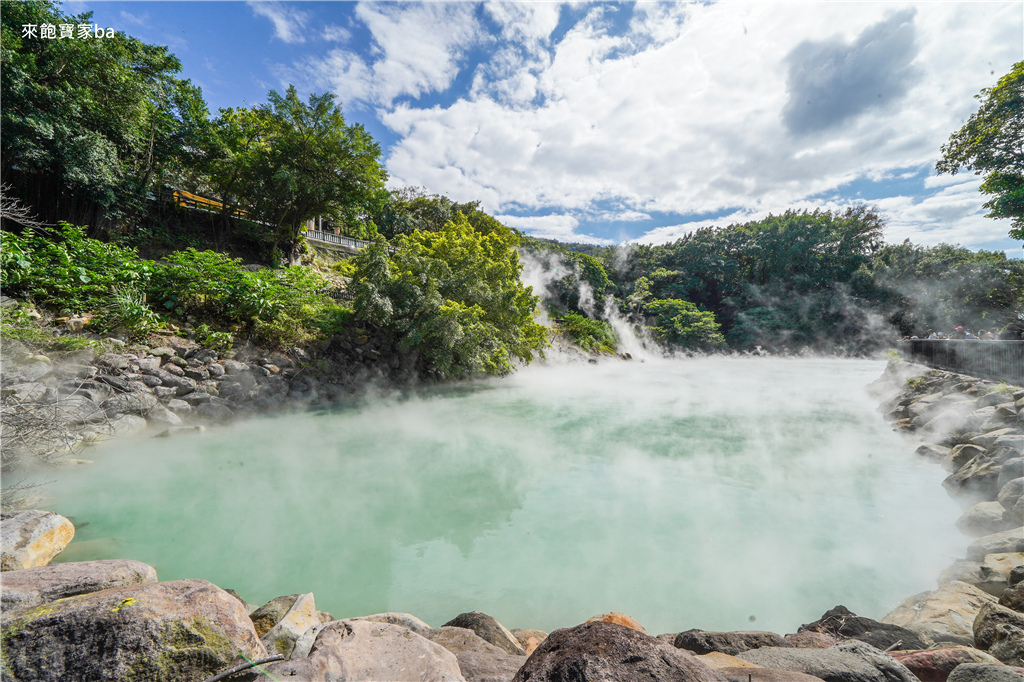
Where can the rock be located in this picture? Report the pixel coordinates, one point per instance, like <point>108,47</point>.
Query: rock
<point>363,650</point>
<point>765,675</point>
<point>216,370</point>
<point>1007,541</point>
<point>731,643</point>
<point>1011,469</point>
<point>935,452</point>
<point>183,385</point>
<point>852,661</point>
<point>404,620</point>
<point>600,651</point>
<point>174,430</point>
<point>987,440</point>
<point>983,518</point>
<point>172,368</point>
<point>479,661</point>
<point>943,616</point>
<point>811,640</point>
<point>163,352</point>
<point>985,672</point>
<point>214,412</point>
<point>161,416</point>
<point>75,410</point>
<point>935,665</point>
<point>716,660</point>
<point>976,478</point>
<point>1000,631</point>
<point>1011,492</point>
<point>30,391</point>
<point>489,630</point>
<point>270,614</point>
<point>177,631</point>
<point>302,615</point>
<point>179,407</point>
<point>117,427</point>
<point>1013,598</point>
<point>618,619</point>
<point>35,370</point>
<point>1016,576</point>
<point>530,639</point>
<point>139,403</point>
<point>196,397</point>
<point>232,367</point>
<point>31,538</point>
<point>1015,515</point>
<point>841,623</point>
<point>197,373</point>
<point>30,587</point>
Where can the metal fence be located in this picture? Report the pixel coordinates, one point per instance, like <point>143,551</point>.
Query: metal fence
<point>996,360</point>
<point>331,238</point>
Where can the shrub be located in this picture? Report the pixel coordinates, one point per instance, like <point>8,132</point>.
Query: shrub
<point>593,336</point>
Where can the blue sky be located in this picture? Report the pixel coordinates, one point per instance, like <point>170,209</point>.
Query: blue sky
<point>612,122</point>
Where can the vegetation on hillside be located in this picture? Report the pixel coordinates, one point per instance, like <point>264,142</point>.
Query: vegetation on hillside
<point>96,134</point>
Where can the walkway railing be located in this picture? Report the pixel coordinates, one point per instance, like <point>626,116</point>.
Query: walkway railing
<point>331,238</point>
<point>996,360</point>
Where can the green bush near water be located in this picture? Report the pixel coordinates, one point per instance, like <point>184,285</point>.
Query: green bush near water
<point>71,273</point>
<point>593,336</point>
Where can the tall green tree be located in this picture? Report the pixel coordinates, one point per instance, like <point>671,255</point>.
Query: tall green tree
<point>991,143</point>
<point>453,297</point>
<point>288,161</point>
<point>90,125</point>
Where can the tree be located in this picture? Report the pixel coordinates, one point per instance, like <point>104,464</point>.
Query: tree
<point>288,161</point>
<point>451,296</point>
<point>89,126</point>
<point>681,323</point>
<point>992,143</point>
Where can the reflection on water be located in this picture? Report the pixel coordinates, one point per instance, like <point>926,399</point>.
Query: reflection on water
<point>692,493</point>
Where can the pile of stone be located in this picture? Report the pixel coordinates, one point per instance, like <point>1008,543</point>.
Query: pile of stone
<point>112,620</point>
<point>170,385</point>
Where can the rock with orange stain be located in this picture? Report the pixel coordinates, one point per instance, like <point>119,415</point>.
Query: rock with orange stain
<point>32,537</point>
<point>718,660</point>
<point>530,639</point>
<point>618,619</point>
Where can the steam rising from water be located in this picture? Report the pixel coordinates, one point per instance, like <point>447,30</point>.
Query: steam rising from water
<point>686,493</point>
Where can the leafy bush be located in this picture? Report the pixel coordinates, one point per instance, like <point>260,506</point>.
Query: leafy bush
<point>453,296</point>
<point>593,336</point>
<point>681,323</point>
<point>66,270</point>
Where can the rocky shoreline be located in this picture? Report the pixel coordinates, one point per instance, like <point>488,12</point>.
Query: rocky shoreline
<point>113,620</point>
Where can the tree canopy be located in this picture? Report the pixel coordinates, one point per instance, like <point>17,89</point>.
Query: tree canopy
<point>991,143</point>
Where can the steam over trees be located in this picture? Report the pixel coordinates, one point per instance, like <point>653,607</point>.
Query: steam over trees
<point>992,143</point>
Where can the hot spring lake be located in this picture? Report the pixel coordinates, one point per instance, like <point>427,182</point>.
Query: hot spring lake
<point>723,494</point>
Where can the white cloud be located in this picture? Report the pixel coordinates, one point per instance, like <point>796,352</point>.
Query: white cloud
<point>135,19</point>
<point>289,22</point>
<point>683,112</point>
<point>336,33</point>
<point>560,227</point>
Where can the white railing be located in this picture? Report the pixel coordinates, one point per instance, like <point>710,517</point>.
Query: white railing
<point>331,238</point>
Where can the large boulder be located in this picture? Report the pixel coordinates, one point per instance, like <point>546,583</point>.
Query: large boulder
<point>745,674</point>
<point>1000,631</point>
<point>985,672</point>
<point>618,619</point>
<point>852,661</point>
<point>177,631</point>
<point>935,665</point>
<point>530,639</point>
<point>976,479</point>
<point>489,629</point>
<point>405,620</point>
<point>32,537</point>
<point>348,650</point>
<point>961,454</point>
<point>301,616</point>
<point>811,640</point>
<point>1010,492</point>
<point>982,519</point>
<point>34,586</point>
<point>270,614</point>
<point>479,661</point>
<point>942,616</point>
<point>600,651</point>
<point>997,543</point>
<point>990,574</point>
<point>1013,598</point>
<point>731,643</point>
<point>842,623</point>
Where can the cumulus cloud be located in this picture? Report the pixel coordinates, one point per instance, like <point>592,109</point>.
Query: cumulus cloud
<point>831,81</point>
<point>560,227</point>
<point>289,22</point>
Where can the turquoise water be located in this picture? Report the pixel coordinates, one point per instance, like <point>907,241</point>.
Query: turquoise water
<point>711,493</point>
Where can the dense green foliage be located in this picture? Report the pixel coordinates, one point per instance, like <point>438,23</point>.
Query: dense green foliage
<point>405,210</point>
<point>452,297</point>
<point>680,323</point>
<point>593,336</point>
<point>990,143</point>
<point>88,126</point>
<point>71,273</point>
